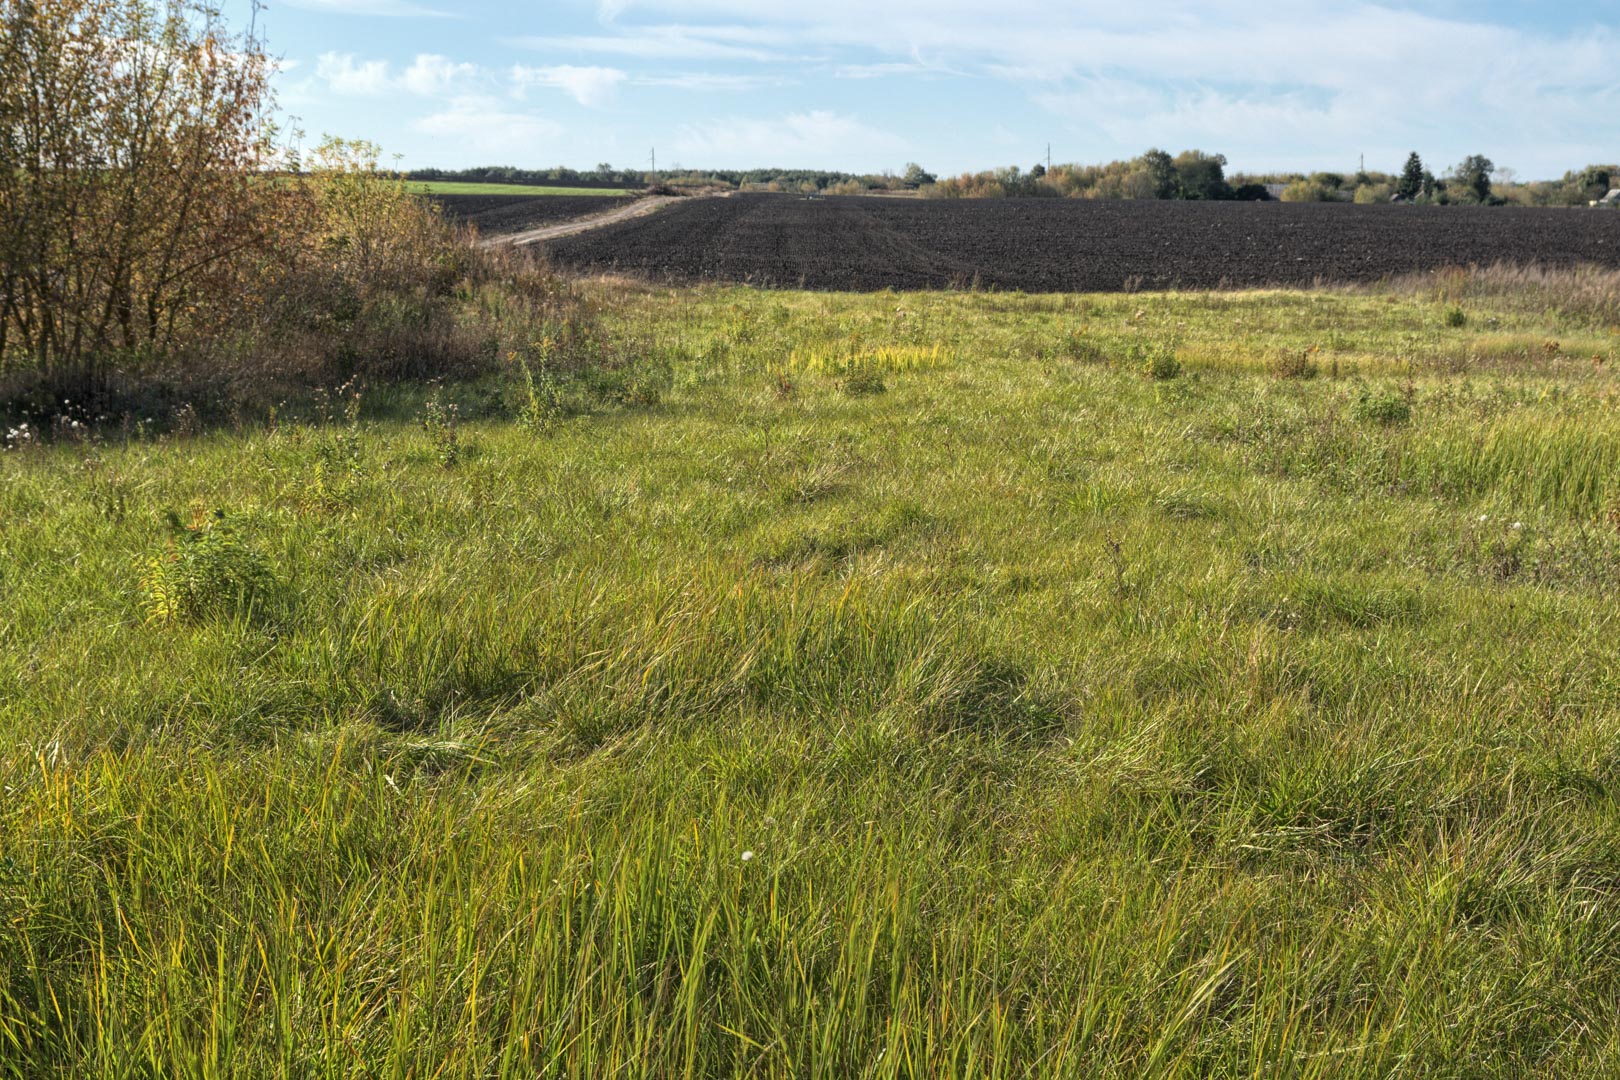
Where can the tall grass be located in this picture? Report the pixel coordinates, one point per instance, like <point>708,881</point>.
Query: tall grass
<point>1587,296</point>
<point>1032,718</point>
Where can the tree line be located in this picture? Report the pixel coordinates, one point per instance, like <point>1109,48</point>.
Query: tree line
<point>1194,174</point>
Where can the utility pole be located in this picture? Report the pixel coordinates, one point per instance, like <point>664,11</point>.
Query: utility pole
<point>655,161</point>
<point>1048,157</point>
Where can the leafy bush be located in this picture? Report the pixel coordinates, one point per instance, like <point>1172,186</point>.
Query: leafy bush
<point>207,571</point>
<point>1309,191</point>
<point>207,281</point>
<point>113,268</point>
<point>1455,317</point>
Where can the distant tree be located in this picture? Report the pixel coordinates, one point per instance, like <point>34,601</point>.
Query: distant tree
<point>1474,176</point>
<point>1311,190</point>
<point>1202,176</point>
<point>1411,182</point>
<point>916,176</point>
<point>1596,181</point>
<point>1430,184</point>
<point>1163,180</point>
<point>1251,193</point>
<point>1038,171</point>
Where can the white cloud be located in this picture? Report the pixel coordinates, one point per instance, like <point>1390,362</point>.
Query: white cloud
<point>429,75</point>
<point>590,86</point>
<point>809,139</point>
<point>432,76</point>
<point>350,78</point>
<point>481,124</point>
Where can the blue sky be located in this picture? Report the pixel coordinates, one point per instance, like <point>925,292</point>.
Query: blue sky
<point>864,85</point>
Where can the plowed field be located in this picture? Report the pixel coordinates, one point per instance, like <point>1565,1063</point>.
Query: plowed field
<point>1053,245</point>
<point>496,214</point>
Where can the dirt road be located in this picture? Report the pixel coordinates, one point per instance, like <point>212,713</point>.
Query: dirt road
<point>639,208</point>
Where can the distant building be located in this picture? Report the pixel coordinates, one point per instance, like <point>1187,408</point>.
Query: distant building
<point>1275,191</point>
<point>1611,199</point>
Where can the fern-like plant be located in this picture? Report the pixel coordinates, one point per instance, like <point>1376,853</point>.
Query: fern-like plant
<point>207,570</point>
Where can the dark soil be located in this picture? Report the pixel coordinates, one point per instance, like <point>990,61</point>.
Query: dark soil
<point>493,215</point>
<point>1062,245</point>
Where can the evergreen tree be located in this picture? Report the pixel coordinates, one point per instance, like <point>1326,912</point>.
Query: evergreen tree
<point>1411,182</point>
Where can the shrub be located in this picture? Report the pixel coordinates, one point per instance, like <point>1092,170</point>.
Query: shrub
<point>1309,191</point>
<point>133,220</point>
<point>1455,317</point>
<point>209,281</point>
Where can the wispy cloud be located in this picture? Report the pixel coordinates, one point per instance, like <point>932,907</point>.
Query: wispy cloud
<point>799,139</point>
<point>590,86</point>
<point>390,8</point>
<point>483,125</point>
<point>712,81</point>
<point>658,43</point>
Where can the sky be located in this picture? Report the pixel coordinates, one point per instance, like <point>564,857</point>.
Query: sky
<point>955,85</point>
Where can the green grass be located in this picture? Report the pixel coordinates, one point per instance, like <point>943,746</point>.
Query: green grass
<point>1009,713</point>
<point>435,187</point>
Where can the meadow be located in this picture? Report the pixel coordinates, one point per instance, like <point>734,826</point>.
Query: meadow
<point>899,684</point>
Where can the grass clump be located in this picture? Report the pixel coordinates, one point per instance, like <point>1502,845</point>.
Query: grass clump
<point>1382,406</point>
<point>1156,360</point>
<point>1295,364</point>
